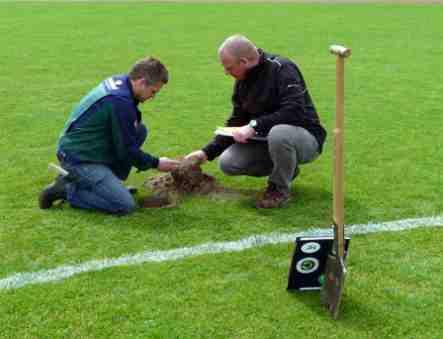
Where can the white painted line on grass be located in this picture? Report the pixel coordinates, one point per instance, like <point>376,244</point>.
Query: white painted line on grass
<point>62,272</point>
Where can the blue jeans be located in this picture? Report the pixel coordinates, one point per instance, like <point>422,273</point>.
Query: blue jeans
<point>98,187</point>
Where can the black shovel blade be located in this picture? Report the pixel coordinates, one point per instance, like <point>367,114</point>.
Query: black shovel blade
<point>333,287</point>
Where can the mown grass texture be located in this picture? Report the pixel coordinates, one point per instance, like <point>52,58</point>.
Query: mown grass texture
<point>53,53</point>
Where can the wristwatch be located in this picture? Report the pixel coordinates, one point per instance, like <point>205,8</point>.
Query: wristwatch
<point>253,124</point>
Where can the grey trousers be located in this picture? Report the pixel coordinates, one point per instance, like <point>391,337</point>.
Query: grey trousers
<point>287,147</point>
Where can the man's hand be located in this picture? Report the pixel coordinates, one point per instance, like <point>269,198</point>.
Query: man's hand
<point>199,155</point>
<point>167,165</point>
<point>243,134</point>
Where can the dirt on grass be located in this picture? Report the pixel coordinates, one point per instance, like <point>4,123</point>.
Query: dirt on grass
<point>188,179</point>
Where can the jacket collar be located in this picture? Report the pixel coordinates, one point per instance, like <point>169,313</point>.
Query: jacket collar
<point>131,90</point>
<point>136,102</point>
<point>254,71</point>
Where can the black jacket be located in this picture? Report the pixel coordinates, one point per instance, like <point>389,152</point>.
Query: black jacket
<point>274,92</point>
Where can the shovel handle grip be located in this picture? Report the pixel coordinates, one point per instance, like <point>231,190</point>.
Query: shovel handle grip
<point>340,50</point>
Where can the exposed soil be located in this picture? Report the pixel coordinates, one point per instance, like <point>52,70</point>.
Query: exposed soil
<point>188,179</point>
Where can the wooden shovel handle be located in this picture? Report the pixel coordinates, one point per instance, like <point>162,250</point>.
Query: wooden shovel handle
<point>338,194</point>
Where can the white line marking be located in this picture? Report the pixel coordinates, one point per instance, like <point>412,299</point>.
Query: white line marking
<point>63,272</point>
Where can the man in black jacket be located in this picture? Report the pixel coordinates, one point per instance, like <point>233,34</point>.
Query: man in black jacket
<point>270,99</point>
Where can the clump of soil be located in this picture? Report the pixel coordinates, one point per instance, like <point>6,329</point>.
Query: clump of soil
<point>188,178</point>
<point>159,201</point>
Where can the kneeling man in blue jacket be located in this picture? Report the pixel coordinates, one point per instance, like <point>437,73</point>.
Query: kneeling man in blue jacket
<point>102,141</point>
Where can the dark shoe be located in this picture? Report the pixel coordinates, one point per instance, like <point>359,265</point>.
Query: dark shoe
<point>132,190</point>
<point>273,198</point>
<point>53,192</point>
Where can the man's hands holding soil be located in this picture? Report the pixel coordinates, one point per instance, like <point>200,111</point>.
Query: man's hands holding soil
<point>167,165</point>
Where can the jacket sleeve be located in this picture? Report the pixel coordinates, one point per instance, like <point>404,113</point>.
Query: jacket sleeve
<point>292,101</point>
<point>123,122</point>
<point>238,118</point>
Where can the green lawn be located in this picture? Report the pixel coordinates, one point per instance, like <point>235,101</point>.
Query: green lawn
<point>53,53</point>
<point>393,291</point>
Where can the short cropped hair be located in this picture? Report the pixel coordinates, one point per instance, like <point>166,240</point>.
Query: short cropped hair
<point>239,46</point>
<point>151,70</point>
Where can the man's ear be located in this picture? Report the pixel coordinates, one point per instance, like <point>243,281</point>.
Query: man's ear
<point>140,81</point>
<point>244,61</point>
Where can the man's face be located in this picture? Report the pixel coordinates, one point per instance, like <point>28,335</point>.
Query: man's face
<point>144,92</point>
<point>236,68</point>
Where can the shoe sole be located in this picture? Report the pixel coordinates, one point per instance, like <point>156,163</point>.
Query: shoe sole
<point>281,205</point>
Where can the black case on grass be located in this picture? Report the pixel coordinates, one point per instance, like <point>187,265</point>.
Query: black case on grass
<point>309,261</point>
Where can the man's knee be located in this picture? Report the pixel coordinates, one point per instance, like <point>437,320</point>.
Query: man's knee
<point>226,163</point>
<point>280,135</point>
<point>123,206</point>
<point>294,139</point>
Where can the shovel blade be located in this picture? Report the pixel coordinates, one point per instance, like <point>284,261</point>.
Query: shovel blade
<point>333,287</point>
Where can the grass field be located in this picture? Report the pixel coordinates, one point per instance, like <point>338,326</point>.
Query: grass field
<point>53,53</point>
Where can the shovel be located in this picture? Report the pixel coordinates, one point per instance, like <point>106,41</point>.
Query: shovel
<point>335,271</point>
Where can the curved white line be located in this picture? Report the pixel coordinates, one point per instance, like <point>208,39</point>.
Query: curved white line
<point>19,280</point>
